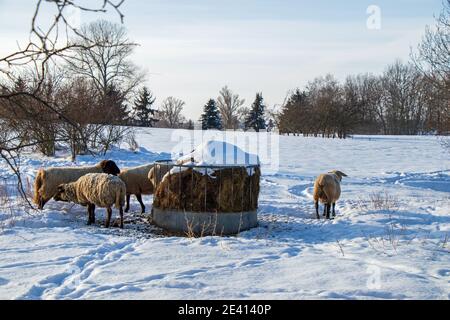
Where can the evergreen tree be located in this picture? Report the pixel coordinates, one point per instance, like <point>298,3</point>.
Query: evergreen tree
<point>255,118</point>
<point>143,108</point>
<point>20,85</point>
<point>115,110</point>
<point>190,125</point>
<point>211,116</point>
<point>270,125</point>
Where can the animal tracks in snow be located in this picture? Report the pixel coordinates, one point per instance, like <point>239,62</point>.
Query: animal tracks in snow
<point>68,284</point>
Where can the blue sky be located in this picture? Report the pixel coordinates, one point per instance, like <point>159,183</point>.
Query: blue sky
<point>191,48</point>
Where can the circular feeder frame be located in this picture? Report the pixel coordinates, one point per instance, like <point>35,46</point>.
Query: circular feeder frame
<point>205,199</point>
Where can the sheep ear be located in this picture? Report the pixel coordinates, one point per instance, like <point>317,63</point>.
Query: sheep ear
<point>103,163</point>
<point>341,174</point>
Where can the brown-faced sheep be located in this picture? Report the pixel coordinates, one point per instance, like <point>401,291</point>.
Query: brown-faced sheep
<point>157,173</point>
<point>327,189</point>
<point>47,180</point>
<point>95,189</point>
<point>137,182</point>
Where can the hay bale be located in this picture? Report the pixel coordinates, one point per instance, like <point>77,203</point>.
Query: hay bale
<point>231,189</point>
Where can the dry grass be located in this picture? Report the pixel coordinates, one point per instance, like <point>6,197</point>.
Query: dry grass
<point>384,201</point>
<point>133,145</point>
<point>207,228</point>
<point>11,203</point>
<point>378,201</point>
<point>7,210</point>
<point>225,190</point>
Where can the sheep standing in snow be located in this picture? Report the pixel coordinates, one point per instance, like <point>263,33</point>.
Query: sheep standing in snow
<point>156,174</point>
<point>327,189</point>
<point>137,182</point>
<point>95,189</point>
<point>47,180</point>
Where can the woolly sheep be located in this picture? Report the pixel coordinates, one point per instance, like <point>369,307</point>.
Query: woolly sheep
<point>327,189</point>
<point>137,182</point>
<point>154,178</point>
<point>47,180</point>
<point>95,189</point>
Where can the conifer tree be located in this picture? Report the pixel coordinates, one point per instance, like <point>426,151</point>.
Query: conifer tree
<point>255,118</point>
<point>143,108</point>
<point>211,117</point>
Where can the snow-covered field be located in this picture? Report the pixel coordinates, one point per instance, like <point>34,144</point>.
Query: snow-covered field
<point>390,239</point>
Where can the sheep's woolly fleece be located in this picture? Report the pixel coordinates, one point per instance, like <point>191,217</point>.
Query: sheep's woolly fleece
<point>327,188</point>
<point>48,180</point>
<point>101,189</point>
<point>137,179</point>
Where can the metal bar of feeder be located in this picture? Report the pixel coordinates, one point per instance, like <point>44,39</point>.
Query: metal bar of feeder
<point>206,186</point>
<point>250,193</point>
<point>192,189</point>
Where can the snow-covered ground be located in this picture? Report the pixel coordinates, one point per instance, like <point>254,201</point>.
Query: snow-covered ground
<point>390,239</point>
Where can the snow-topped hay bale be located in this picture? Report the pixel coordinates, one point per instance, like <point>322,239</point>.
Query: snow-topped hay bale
<point>213,190</point>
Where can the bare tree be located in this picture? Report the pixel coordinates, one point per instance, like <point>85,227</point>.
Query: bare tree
<point>432,59</point>
<point>170,112</point>
<point>433,53</point>
<point>230,106</point>
<point>403,97</point>
<point>108,64</point>
<point>48,43</point>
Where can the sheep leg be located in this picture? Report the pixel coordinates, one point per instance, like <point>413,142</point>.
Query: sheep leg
<point>127,208</point>
<point>121,217</point>
<point>334,209</point>
<point>317,209</point>
<point>108,217</point>
<point>139,198</point>
<point>328,206</point>
<point>91,214</point>
<point>42,202</point>
<point>324,209</point>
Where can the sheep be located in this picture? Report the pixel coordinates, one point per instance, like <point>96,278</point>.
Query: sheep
<point>137,182</point>
<point>47,180</point>
<point>154,178</point>
<point>95,189</point>
<point>327,189</point>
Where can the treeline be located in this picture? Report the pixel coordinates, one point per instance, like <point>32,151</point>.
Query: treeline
<point>85,102</point>
<point>401,101</point>
<point>228,113</point>
<point>408,98</point>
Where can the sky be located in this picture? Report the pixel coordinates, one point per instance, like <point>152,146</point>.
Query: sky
<point>190,49</point>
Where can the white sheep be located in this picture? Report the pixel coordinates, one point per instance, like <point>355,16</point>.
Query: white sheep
<point>157,173</point>
<point>47,180</point>
<point>327,189</point>
<point>95,189</point>
<point>137,182</point>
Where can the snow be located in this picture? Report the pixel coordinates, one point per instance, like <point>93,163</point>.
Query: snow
<point>395,251</point>
<point>219,153</point>
<point>216,153</point>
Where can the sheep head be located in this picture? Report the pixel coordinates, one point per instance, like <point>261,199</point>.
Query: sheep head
<point>152,177</point>
<point>339,174</point>
<point>109,167</point>
<point>66,193</point>
<point>61,194</point>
